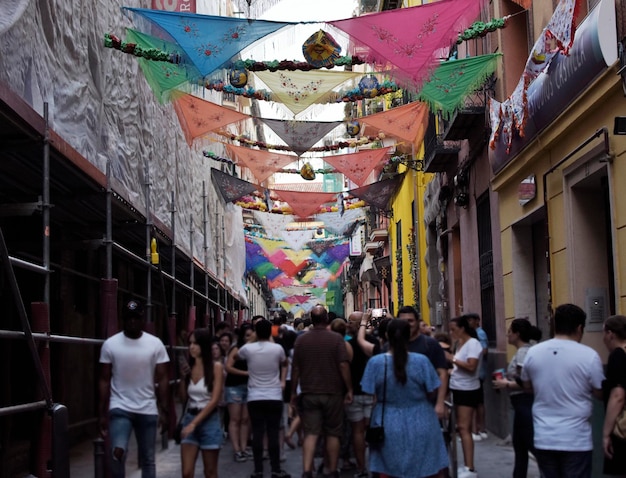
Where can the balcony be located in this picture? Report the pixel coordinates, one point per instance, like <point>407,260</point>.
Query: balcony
<point>371,247</point>
<point>440,154</point>
<point>470,120</point>
<point>379,235</point>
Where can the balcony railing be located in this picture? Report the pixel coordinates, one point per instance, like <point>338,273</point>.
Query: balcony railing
<point>440,154</point>
<point>470,120</point>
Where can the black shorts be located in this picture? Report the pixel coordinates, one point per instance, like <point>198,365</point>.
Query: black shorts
<point>482,393</point>
<point>467,398</point>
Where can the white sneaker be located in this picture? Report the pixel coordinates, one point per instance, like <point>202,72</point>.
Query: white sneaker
<point>466,473</point>
<point>477,437</point>
<point>483,435</point>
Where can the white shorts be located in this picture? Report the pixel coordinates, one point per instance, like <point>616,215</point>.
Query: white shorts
<point>360,408</point>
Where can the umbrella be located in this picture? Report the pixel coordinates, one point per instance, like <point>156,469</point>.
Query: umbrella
<point>321,49</point>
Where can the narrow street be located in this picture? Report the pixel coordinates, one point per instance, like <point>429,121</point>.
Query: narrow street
<point>494,460</point>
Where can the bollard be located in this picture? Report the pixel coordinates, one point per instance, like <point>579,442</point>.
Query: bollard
<point>98,458</point>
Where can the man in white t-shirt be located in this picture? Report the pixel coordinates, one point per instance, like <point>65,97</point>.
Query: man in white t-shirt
<point>267,370</point>
<point>564,375</point>
<point>130,362</point>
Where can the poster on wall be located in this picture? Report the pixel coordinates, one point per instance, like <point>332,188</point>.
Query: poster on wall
<point>188,6</point>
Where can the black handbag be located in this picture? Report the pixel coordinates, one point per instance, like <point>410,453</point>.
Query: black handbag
<point>375,436</point>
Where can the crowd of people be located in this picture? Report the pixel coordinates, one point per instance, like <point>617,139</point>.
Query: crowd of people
<point>372,389</point>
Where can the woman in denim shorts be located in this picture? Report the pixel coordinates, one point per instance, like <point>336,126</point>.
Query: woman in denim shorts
<point>236,395</point>
<point>202,390</point>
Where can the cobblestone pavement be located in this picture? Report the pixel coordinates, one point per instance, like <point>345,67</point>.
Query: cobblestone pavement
<point>493,457</point>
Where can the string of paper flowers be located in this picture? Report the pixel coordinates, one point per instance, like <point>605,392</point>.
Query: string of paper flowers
<point>363,140</point>
<point>257,203</point>
<point>276,65</point>
<point>155,54</point>
<point>215,157</point>
<point>480,29</point>
<point>354,94</point>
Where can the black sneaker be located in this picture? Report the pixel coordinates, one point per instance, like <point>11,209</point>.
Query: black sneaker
<point>280,474</point>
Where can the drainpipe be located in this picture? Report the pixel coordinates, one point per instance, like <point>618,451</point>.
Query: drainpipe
<point>602,131</point>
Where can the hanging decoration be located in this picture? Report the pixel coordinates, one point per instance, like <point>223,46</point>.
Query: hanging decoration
<point>380,193</point>
<point>238,77</point>
<point>262,164</point>
<point>160,54</point>
<point>480,29</point>
<point>495,116</point>
<point>273,224</point>
<point>215,157</point>
<point>252,203</point>
<point>353,128</point>
<point>453,80</point>
<point>369,86</point>
<point>276,65</point>
<point>208,41</point>
<point>354,94</point>
<point>556,38</point>
<point>300,136</point>
<point>404,41</point>
<point>357,166</point>
<point>297,239</point>
<point>230,187</point>
<point>304,204</point>
<point>362,141</point>
<point>198,117</point>
<point>306,172</point>
<point>407,122</point>
<point>337,223</point>
<point>321,50</point>
<point>147,53</point>
<point>161,76</point>
<point>299,90</point>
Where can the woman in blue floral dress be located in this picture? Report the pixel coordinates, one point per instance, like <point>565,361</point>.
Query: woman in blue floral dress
<point>413,446</point>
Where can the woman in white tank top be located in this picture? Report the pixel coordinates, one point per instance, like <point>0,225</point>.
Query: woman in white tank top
<point>202,389</point>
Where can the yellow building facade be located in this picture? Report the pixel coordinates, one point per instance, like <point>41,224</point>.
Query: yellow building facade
<point>407,258</point>
<point>562,214</point>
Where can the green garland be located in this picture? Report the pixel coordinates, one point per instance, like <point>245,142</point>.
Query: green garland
<point>154,54</point>
<point>355,94</point>
<point>480,29</point>
<point>275,65</point>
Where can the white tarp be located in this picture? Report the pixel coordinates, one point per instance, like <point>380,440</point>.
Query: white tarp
<point>52,51</point>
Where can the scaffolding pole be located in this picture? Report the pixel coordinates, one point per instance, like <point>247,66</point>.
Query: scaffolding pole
<point>150,318</point>
<point>173,221</point>
<point>205,205</point>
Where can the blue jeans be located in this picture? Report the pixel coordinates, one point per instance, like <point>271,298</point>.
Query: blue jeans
<point>121,423</point>
<point>564,464</point>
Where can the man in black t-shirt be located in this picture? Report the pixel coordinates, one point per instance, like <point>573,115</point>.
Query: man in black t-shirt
<point>423,344</point>
<point>360,410</point>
